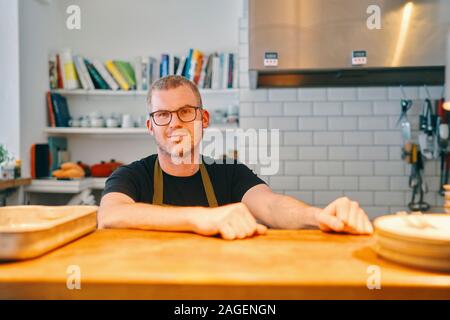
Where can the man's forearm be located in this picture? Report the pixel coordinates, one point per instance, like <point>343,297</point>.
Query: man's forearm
<point>285,212</point>
<point>148,217</point>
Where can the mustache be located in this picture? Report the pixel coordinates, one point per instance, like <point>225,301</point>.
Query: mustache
<point>179,131</point>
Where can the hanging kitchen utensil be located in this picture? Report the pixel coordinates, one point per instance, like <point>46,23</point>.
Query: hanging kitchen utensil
<point>416,181</point>
<point>427,139</point>
<point>403,120</point>
<point>443,139</point>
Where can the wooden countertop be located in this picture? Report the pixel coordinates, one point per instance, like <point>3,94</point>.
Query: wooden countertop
<point>14,183</point>
<point>133,264</point>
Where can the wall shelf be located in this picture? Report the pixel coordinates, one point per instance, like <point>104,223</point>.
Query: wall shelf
<point>137,93</point>
<point>120,131</point>
<point>52,185</point>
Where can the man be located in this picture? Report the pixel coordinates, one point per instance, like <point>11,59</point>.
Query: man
<point>177,190</point>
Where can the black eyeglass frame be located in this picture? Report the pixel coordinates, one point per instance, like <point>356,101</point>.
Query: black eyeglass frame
<point>171,115</point>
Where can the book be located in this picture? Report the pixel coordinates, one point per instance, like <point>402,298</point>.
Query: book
<point>105,75</point>
<point>99,82</point>
<point>171,64</point>
<point>235,72</point>
<point>69,74</point>
<point>198,67</point>
<point>208,71</point>
<point>201,81</point>
<point>225,67</point>
<point>117,75</point>
<point>59,72</point>
<point>154,71</point>
<point>164,65</point>
<point>179,71</point>
<point>52,71</point>
<point>61,110</point>
<point>127,72</point>
<point>130,71</point>
<point>187,66</point>
<point>140,76</point>
<point>215,73</point>
<point>193,64</point>
<point>51,113</point>
<point>230,71</point>
<point>85,72</point>
<point>56,144</point>
<point>81,75</point>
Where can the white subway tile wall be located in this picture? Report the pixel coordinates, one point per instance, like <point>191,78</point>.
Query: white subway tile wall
<point>338,141</point>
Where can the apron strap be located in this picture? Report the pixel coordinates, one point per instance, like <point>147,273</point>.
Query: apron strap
<point>207,185</point>
<point>158,186</point>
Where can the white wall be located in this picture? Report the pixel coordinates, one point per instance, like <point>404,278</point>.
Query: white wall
<point>9,69</point>
<point>118,30</point>
<point>39,31</point>
<point>338,141</point>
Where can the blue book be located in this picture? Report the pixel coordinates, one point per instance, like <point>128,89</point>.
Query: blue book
<point>187,66</point>
<point>56,144</point>
<point>164,65</point>
<point>61,110</point>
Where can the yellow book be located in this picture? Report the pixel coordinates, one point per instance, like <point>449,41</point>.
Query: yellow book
<point>117,75</point>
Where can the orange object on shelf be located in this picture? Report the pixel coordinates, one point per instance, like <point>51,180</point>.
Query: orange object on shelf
<point>104,169</point>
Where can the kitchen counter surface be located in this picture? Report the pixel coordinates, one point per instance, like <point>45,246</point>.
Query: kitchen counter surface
<point>134,264</point>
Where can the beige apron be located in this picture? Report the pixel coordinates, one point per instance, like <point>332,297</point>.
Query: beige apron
<point>158,187</point>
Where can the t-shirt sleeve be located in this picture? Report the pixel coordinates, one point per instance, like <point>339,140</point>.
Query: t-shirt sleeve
<point>243,179</point>
<point>123,180</point>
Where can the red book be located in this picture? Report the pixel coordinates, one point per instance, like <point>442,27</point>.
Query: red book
<point>51,114</point>
<point>58,70</point>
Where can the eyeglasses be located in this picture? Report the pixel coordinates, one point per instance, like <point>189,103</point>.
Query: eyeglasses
<point>185,114</point>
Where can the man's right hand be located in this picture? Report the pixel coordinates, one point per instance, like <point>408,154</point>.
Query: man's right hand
<point>233,221</point>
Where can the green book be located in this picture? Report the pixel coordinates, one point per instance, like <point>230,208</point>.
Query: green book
<point>127,71</point>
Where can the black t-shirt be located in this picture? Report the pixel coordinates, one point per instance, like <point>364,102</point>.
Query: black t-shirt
<point>230,180</point>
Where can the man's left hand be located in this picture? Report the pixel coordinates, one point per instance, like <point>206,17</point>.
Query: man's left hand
<point>344,215</point>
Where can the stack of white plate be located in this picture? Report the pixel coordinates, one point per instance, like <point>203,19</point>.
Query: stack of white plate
<point>447,198</point>
<point>421,241</point>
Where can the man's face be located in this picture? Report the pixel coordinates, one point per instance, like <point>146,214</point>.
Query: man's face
<point>177,139</point>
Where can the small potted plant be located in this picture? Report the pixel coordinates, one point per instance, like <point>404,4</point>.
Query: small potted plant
<point>3,159</point>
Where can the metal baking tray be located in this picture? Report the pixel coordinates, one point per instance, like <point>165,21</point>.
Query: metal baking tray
<point>30,231</point>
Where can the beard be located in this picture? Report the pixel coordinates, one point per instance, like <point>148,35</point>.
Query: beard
<point>180,152</point>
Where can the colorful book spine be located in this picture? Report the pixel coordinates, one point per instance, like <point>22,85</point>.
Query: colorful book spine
<point>235,71</point>
<point>215,73</point>
<point>59,72</point>
<point>85,72</point>
<point>117,75</point>
<point>179,71</point>
<point>230,70</point>
<point>127,75</point>
<point>198,67</point>
<point>61,110</point>
<point>68,70</point>
<point>51,113</point>
<point>99,82</point>
<point>105,75</point>
<point>164,65</point>
<point>81,75</point>
<point>188,64</point>
<point>52,71</point>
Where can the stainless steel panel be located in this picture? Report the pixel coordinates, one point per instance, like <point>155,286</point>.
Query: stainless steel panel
<point>321,34</point>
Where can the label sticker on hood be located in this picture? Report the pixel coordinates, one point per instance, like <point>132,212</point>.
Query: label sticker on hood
<point>270,59</point>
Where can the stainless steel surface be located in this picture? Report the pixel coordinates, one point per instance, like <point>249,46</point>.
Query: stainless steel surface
<point>30,231</point>
<point>313,37</point>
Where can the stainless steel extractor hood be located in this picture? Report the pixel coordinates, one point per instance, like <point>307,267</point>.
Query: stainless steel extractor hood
<point>307,43</point>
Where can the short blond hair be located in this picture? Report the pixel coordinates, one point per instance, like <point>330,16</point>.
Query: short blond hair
<point>173,82</point>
